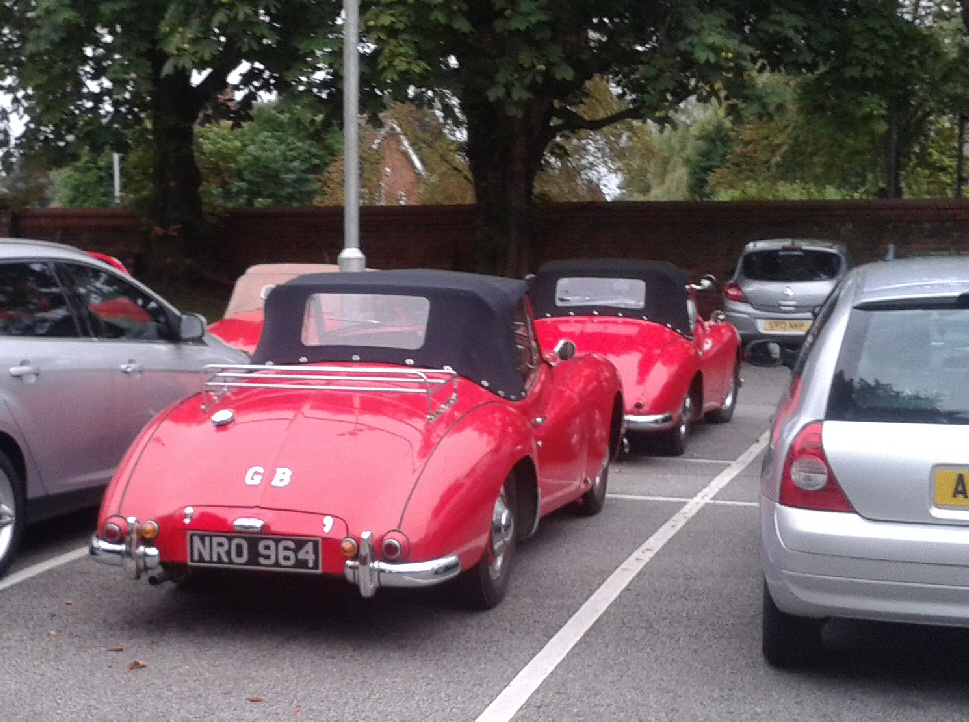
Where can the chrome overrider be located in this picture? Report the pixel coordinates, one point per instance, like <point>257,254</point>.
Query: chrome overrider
<point>652,422</point>
<point>132,554</point>
<point>369,573</point>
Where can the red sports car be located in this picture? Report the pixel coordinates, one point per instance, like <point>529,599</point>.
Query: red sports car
<point>241,324</point>
<point>398,429</point>
<point>676,368</point>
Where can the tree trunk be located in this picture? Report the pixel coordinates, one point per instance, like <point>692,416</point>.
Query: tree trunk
<point>176,210</point>
<point>505,153</point>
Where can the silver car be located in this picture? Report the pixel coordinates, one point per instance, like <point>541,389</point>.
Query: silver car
<point>865,486</point>
<point>89,355</point>
<point>778,283</point>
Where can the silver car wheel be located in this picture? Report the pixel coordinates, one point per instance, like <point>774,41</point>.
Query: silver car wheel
<point>8,514</point>
<point>502,536</point>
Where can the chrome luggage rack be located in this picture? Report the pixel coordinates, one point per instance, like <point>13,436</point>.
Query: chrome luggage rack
<point>430,382</point>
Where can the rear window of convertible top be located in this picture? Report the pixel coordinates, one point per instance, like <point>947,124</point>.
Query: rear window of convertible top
<point>366,320</point>
<point>617,292</point>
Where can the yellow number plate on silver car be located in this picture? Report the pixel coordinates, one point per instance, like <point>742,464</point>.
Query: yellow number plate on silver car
<point>952,488</point>
<point>784,325</point>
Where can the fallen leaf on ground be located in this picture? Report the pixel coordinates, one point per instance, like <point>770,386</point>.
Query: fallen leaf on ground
<point>53,632</point>
<point>255,698</point>
<point>137,664</point>
<point>116,648</point>
<point>69,602</point>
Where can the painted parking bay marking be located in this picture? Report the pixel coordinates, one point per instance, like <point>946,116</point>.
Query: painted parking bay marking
<point>518,691</point>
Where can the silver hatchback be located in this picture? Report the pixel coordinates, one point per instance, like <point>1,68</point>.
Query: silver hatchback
<point>89,356</point>
<point>865,486</point>
<point>777,284</point>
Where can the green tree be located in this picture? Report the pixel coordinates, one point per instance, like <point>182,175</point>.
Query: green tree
<point>516,71</point>
<point>275,159</point>
<point>892,70</point>
<point>85,73</point>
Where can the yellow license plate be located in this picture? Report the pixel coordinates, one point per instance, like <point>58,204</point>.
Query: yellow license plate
<point>952,488</point>
<point>781,325</point>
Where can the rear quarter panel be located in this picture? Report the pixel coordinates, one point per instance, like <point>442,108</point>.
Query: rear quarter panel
<point>451,505</point>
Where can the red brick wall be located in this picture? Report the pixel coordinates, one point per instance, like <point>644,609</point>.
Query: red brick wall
<point>700,237</point>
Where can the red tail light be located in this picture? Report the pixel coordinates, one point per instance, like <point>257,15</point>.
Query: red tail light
<point>808,481</point>
<point>733,293</point>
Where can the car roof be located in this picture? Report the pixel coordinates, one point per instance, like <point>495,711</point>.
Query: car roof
<point>20,247</point>
<point>664,303</point>
<point>771,244</point>
<point>906,278</point>
<point>470,325</point>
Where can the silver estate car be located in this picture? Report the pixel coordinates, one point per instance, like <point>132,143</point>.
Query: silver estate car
<point>865,486</point>
<point>89,356</point>
<point>777,284</point>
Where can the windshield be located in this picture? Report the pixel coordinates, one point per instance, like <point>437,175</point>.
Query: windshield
<point>791,265</point>
<point>619,292</point>
<point>367,320</point>
<point>903,366</point>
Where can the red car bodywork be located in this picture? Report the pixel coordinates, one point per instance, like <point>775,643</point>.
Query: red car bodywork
<point>335,450</point>
<point>662,359</point>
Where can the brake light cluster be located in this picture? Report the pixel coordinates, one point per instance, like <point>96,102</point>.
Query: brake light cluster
<point>733,292</point>
<point>808,481</point>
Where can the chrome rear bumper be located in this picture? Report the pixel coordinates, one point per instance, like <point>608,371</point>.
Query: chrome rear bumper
<point>653,422</point>
<point>136,558</point>
<point>369,574</point>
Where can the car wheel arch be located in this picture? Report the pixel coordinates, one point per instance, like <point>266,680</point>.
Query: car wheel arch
<point>528,495</point>
<point>13,451</point>
<point>696,391</point>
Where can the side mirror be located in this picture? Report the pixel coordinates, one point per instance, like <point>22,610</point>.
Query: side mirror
<point>565,349</point>
<point>764,353</point>
<point>191,327</point>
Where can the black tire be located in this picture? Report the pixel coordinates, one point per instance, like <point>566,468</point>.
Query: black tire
<point>594,499</point>
<point>484,585</point>
<point>672,442</point>
<point>725,412</point>
<point>788,641</point>
<point>13,513</point>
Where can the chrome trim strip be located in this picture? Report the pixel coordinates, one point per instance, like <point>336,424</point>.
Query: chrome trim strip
<point>369,574</point>
<point>248,524</point>
<point>654,422</point>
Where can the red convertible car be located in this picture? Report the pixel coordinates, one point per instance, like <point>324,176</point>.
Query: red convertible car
<point>398,429</point>
<point>676,368</point>
<point>241,324</point>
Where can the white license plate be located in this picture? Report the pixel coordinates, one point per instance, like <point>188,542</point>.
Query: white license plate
<point>784,325</point>
<point>243,551</point>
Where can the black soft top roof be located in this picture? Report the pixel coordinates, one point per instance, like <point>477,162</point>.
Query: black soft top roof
<point>666,290</point>
<point>470,325</point>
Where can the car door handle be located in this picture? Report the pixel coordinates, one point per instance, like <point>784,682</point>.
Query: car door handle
<point>132,367</point>
<point>23,370</point>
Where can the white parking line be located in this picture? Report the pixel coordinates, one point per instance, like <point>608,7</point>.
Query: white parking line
<point>518,691</point>
<point>680,499</point>
<point>45,566</point>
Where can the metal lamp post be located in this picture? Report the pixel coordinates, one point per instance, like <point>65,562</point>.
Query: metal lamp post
<point>351,258</point>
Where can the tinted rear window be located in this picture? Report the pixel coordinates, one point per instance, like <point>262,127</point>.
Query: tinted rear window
<point>903,366</point>
<point>791,265</point>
